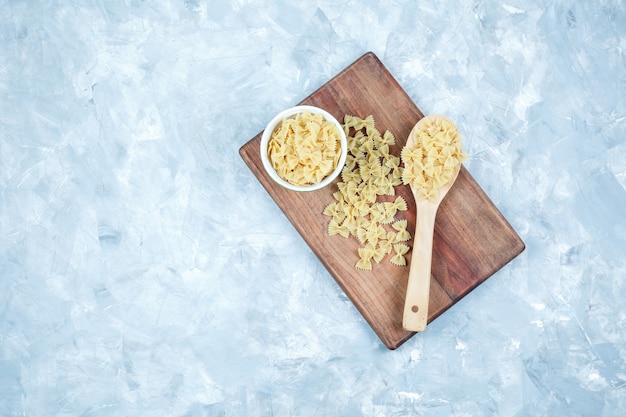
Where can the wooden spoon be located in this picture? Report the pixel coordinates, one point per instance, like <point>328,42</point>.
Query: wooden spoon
<point>416,303</point>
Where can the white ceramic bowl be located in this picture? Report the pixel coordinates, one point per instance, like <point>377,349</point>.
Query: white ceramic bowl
<point>267,133</point>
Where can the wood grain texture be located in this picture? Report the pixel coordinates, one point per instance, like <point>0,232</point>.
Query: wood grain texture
<point>472,239</point>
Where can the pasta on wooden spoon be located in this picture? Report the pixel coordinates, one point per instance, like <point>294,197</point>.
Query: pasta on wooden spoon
<point>432,159</point>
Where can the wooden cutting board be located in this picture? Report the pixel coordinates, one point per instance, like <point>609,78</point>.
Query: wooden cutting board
<point>472,239</point>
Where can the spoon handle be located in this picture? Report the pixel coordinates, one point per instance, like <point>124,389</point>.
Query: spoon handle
<point>418,287</point>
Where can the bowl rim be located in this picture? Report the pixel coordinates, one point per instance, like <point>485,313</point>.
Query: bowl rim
<point>267,132</point>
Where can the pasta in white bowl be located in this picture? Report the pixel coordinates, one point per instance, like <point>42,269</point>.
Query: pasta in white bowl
<point>303,148</point>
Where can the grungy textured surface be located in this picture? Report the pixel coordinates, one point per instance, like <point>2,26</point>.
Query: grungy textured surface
<point>144,270</point>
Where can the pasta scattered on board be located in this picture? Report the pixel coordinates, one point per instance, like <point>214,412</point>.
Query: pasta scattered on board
<point>433,160</point>
<point>304,149</point>
<point>370,172</point>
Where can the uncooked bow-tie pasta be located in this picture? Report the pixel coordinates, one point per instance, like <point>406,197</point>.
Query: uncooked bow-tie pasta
<point>364,205</point>
<point>433,160</point>
<point>304,149</point>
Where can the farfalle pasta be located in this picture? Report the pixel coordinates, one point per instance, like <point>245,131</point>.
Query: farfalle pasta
<point>304,149</point>
<point>364,206</point>
<point>434,158</point>
<point>400,250</point>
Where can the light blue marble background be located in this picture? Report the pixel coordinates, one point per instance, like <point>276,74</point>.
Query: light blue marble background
<point>144,271</point>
